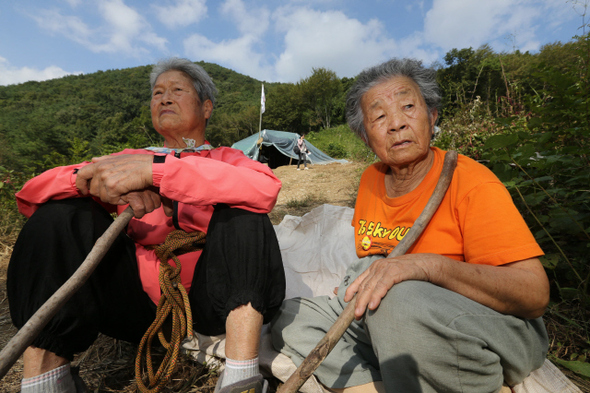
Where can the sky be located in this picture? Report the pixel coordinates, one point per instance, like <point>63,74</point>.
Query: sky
<point>270,40</point>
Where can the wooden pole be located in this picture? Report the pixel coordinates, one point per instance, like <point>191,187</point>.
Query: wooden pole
<point>326,344</point>
<point>25,336</point>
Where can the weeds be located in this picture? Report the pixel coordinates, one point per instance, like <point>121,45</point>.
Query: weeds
<point>306,201</point>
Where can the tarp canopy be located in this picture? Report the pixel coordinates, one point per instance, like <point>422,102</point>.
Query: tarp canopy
<point>276,148</point>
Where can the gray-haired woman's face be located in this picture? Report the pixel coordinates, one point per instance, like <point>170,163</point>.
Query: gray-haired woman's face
<point>176,107</point>
<point>397,121</point>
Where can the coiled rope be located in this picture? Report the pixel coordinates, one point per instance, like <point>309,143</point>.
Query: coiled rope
<point>173,302</point>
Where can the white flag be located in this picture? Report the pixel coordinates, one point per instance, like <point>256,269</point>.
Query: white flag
<point>262,101</point>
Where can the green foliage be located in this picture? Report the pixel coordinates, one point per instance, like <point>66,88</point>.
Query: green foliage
<point>579,367</point>
<point>314,103</point>
<point>341,142</point>
<point>319,94</point>
<point>335,150</point>
<point>543,158</point>
<point>528,118</point>
<point>42,123</point>
<point>228,128</point>
<point>10,182</point>
<point>71,119</point>
<point>467,130</point>
<point>306,201</point>
<point>283,109</point>
<point>470,74</point>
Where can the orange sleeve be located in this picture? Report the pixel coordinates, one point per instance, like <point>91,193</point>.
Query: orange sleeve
<point>494,232</point>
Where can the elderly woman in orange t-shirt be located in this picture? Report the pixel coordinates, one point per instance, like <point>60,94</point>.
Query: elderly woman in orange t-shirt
<point>461,310</point>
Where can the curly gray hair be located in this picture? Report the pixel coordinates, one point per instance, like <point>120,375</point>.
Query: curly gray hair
<point>424,77</point>
<point>201,80</point>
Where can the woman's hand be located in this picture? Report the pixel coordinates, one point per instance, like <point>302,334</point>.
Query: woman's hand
<point>142,202</point>
<point>374,283</point>
<point>519,288</point>
<point>120,180</point>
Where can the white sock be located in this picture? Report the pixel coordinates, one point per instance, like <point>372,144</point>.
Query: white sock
<point>58,380</point>
<point>238,370</point>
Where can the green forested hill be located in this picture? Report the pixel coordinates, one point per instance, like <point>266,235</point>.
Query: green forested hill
<point>60,121</point>
<point>43,124</point>
<point>45,118</point>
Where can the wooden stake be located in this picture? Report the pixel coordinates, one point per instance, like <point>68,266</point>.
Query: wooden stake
<point>25,336</point>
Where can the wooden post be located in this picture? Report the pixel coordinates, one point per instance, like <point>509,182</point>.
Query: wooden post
<point>25,336</point>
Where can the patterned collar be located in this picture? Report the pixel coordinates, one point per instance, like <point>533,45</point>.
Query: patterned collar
<point>188,149</point>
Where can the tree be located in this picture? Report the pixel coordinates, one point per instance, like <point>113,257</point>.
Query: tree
<point>470,74</point>
<point>227,128</point>
<point>319,93</point>
<point>283,108</point>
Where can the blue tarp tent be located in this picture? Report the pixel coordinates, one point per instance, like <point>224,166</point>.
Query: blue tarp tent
<point>276,148</point>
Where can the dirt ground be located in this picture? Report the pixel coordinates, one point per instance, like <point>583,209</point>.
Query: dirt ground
<point>108,365</point>
<point>302,190</point>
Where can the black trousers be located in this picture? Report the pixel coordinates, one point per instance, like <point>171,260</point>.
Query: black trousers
<point>240,264</point>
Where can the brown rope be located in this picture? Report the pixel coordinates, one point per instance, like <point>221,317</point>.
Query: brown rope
<point>173,303</point>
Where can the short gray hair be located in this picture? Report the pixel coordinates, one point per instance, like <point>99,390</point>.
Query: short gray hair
<point>424,77</point>
<point>201,80</point>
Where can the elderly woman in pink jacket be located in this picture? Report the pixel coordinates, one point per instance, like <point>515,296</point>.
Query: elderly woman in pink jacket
<point>235,283</point>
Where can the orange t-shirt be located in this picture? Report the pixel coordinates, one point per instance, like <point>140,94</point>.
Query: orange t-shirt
<point>476,222</point>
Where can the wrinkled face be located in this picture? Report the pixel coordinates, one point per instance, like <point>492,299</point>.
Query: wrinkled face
<point>397,122</point>
<point>176,107</point>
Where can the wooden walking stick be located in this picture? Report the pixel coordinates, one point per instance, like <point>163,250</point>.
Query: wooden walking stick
<point>25,336</point>
<point>326,344</point>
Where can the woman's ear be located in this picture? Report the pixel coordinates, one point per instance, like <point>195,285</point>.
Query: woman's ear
<point>365,139</point>
<point>207,109</point>
<point>434,117</point>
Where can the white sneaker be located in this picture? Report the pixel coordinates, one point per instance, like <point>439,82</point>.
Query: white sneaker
<point>255,384</point>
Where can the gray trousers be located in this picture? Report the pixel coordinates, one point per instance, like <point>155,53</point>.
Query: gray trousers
<point>422,338</point>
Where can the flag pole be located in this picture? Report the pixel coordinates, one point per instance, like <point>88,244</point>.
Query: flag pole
<point>262,109</point>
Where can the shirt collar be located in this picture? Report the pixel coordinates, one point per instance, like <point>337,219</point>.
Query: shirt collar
<point>188,149</point>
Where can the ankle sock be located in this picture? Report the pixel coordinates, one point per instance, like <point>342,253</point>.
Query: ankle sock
<point>58,380</point>
<point>238,370</point>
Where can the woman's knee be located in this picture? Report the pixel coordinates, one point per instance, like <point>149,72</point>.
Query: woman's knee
<point>440,329</point>
<point>241,263</point>
<point>76,215</point>
<point>408,301</point>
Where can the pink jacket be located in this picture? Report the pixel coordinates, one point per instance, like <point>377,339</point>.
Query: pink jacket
<point>196,180</point>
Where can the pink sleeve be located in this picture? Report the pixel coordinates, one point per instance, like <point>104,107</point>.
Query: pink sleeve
<point>56,183</point>
<point>226,176</point>
<point>158,172</point>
